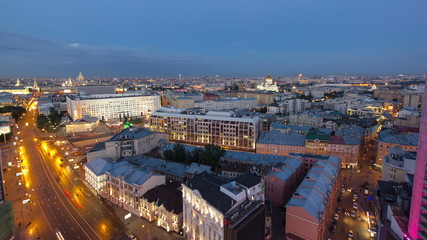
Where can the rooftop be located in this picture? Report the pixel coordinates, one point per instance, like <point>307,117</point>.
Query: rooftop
<point>286,169</point>
<point>314,191</point>
<point>281,139</point>
<point>389,136</point>
<point>209,187</point>
<point>170,198</point>
<point>278,125</point>
<point>131,133</point>
<point>131,174</point>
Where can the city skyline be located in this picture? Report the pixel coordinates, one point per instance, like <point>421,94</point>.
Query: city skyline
<point>229,39</point>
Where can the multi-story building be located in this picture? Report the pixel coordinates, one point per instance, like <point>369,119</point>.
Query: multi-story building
<point>263,98</point>
<point>226,104</point>
<point>127,183</point>
<point>316,143</point>
<point>296,105</point>
<point>280,144</point>
<point>388,139</point>
<point>129,142</point>
<point>282,181</point>
<point>289,129</point>
<point>220,128</point>
<point>389,94</point>
<point>418,215</point>
<point>163,204</point>
<point>309,160</point>
<point>213,208</point>
<point>312,203</point>
<point>306,119</point>
<point>397,164</point>
<point>413,100</point>
<point>95,173</point>
<point>346,148</point>
<point>112,106</point>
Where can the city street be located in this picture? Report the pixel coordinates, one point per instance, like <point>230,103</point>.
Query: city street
<point>352,179</point>
<point>58,203</point>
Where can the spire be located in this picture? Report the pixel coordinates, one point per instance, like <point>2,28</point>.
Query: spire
<point>35,86</point>
<point>18,83</point>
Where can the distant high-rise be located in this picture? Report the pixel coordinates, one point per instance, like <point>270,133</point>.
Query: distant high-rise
<point>418,215</point>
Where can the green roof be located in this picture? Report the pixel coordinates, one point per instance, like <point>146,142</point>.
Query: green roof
<point>312,135</point>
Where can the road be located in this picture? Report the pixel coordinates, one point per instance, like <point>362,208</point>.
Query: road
<point>351,178</point>
<point>59,203</point>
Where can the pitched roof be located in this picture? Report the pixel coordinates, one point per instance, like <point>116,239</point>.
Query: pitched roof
<point>209,187</point>
<point>131,133</point>
<point>170,198</point>
<point>281,139</point>
<point>313,193</point>
<point>248,179</point>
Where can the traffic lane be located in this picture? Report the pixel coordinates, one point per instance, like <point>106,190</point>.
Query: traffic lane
<point>105,224</point>
<point>90,210</point>
<point>52,208</point>
<point>68,206</point>
<point>88,204</point>
<point>53,217</point>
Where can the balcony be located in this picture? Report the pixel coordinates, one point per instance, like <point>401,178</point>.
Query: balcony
<point>425,191</point>
<point>423,227</point>
<point>423,234</point>
<point>425,181</point>
<point>424,217</point>
<point>424,208</point>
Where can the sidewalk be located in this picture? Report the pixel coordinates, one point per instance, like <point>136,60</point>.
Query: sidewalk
<point>143,229</point>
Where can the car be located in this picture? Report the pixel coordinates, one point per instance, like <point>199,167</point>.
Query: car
<point>355,196</point>
<point>350,190</point>
<point>350,233</point>
<point>332,228</point>
<point>353,214</point>
<point>354,205</point>
<point>336,216</point>
<point>342,190</point>
<point>338,210</point>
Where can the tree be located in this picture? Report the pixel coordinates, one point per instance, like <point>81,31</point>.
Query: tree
<point>43,122</point>
<point>177,154</point>
<point>16,111</point>
<point>212,155</point>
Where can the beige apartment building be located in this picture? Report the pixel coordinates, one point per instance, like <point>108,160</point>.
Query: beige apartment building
<point>220,128</point>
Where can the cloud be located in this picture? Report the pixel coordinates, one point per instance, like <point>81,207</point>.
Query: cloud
<point>24,53</point>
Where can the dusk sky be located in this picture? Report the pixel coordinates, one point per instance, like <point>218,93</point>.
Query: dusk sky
<point>138,38</point>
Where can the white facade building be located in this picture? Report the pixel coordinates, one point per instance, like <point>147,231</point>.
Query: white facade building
<point>112,106</point>
<point>268,85</point>
<point>127,183</point>
<point>207,200</point>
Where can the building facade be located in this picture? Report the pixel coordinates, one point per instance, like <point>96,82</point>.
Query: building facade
<point>418,214</point>
<point>283,180</point>
<point>208,202</point>
<point>226,104</point>
<point>129,142</point>
<point>163,205</point>
<point>112,106</point>
<point>388,139</point>
<point>126,184</point>
<point>219,128</point>
<point>397,164</point>
<point>312,203</point>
